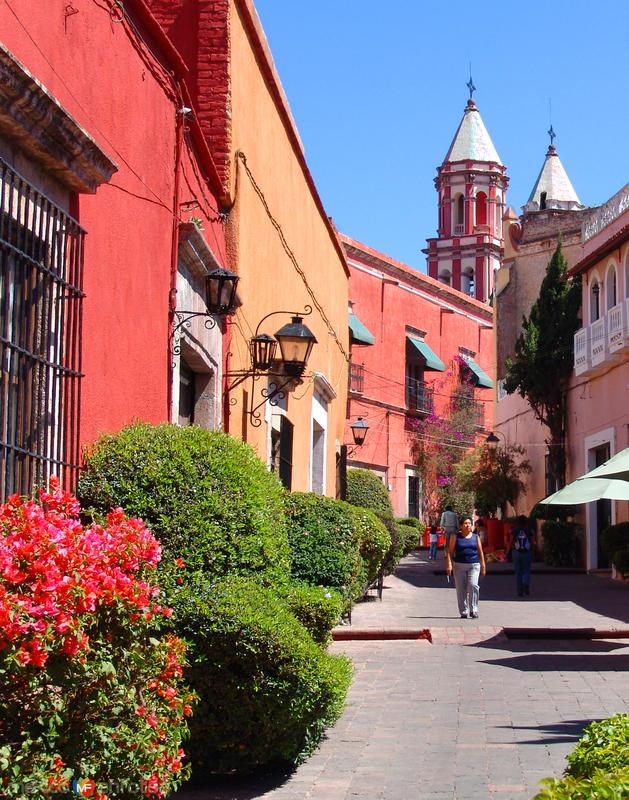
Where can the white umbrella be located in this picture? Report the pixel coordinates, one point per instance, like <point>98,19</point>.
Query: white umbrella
<point>615,467</point>
<point>586,489</point>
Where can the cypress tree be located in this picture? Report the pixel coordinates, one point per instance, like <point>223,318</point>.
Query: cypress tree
<point>543,362</point>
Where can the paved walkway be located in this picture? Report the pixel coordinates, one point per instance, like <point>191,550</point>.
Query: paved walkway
<point>474,715</point>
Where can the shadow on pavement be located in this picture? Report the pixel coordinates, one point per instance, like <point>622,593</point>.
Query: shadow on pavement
<point>567,731</point>
<point>501,642</point>
<point>244,787</point>
<point>559,662</point>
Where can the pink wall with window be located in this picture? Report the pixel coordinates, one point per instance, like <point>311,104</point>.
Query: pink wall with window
<point>394,384</point>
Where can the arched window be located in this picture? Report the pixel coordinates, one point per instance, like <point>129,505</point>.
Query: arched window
<point>610,287</point>
<point>542,201</point>
<point>467,281</point>
<point>460,209</point>
<point>481,208</point>
<point>595,308</point>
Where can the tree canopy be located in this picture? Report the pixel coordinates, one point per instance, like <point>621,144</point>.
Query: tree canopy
<point>543,360</point>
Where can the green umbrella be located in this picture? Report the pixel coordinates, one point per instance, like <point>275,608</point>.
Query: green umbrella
<point>586,489</point>
<point>615,467</point>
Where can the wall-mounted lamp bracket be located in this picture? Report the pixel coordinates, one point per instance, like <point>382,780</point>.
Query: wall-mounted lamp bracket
<point>295,343</point>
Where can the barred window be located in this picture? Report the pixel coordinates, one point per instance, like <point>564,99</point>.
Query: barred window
<point>41,276</point>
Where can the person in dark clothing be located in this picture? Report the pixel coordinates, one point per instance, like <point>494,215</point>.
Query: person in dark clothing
<point>465,552</point>
<point>521,549</point>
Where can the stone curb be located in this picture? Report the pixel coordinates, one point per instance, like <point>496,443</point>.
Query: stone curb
<point>384,634</point>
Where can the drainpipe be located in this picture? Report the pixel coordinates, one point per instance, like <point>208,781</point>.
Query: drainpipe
<point>174,252</point>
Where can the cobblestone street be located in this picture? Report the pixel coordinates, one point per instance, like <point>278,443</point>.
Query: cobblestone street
<point>474,714</point>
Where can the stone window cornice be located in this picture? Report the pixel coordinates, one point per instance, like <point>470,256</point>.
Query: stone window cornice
<point>34,121</point>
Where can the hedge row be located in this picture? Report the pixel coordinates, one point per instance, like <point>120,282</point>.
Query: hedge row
<point>257,579</point>
<point>335,544</point>
<point>598,767</point>
<point>615,545</point>
<point>266,690</point>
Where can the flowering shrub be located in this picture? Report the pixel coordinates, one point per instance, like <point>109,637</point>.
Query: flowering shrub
<point>89,688</point>
<point>439,440</point>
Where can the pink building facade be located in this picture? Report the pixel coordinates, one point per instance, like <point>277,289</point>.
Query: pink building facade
<point>410,336</point>
<point>598,403</point>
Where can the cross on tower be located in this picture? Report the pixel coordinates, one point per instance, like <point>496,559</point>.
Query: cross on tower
<point>470,86</point>
<point>552,135</point>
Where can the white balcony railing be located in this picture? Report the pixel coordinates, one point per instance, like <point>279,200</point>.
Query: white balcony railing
<point>602,342</point>
<point>618,327</point>
<point>581,352</point>
<point>615,333</point>
<point>459,230</point>
<point>598,341</point>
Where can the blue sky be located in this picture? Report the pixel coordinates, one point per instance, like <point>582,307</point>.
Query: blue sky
<point>378,90</point>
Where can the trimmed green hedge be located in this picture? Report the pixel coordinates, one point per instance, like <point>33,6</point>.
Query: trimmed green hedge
<point>412,521</point>
<point>562,544</point>
<point>323,544</point>
<point>396,550</point>
<point>598,767</point>
<point>206,496</point>
<point>409,536</point>
<point>601,786</point>
<point>365,489</point>
<point>317,608</point>
<point>374,542</point>
<point>334,544</point>
<point>603,745</point>
<point>266,690</point>
<point>615,545</point>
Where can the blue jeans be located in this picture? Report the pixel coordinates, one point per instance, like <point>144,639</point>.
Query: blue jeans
<point>522,565</point>
<point>432,556</point>
<point>466,581</point>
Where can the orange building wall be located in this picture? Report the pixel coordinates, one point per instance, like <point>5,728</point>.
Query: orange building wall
<point>262,130</point>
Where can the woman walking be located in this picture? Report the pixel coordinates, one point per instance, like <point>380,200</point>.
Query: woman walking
<point>465,553</point>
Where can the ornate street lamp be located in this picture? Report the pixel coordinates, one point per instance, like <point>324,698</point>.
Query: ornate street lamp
<point>220,291</point>
<point>262,349</point>
<point>296,342</point>
<point>492,441</point>
<point>220,300</point>
<point>359,431</point>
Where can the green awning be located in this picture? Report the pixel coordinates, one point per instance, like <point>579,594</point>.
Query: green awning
<point>360,334</point>
<point>432,359</point>
<point>482,378</point>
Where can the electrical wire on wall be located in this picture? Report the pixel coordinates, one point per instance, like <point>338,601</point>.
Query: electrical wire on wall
<point>287,249</point>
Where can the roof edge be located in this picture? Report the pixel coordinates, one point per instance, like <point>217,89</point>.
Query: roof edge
<point>420,278</point>
<point>257,37</point>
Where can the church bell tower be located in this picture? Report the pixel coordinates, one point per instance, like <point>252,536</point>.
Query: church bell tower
<point>471,184</point>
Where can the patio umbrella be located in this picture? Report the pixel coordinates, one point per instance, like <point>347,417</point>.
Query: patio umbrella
<point>616,467</point>
<point>586,489</point>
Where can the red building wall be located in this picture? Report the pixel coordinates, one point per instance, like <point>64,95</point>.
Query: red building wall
<point>389,298</point>
<point>119,78</point>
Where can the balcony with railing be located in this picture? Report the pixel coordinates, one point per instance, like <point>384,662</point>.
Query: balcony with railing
<point>465,401</point>
<point>356,378</point>
<point>603,342</point>
<point>419,396</point>
<point>459,229</point>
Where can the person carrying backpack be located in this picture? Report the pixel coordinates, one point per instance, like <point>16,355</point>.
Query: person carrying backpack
<point>521,548</point>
